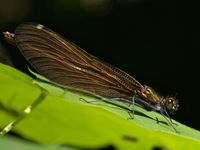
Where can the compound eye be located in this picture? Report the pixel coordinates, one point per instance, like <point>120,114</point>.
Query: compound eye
<point>171,104</point>
<point>170,101</point>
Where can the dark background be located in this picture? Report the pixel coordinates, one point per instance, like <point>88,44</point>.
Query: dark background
<point>156,42</point>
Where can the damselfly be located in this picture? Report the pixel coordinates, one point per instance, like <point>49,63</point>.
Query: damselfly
<point>67,64</point>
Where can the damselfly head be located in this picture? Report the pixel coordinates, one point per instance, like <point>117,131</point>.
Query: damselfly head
<point>170,103</point>
<point>148,94</point>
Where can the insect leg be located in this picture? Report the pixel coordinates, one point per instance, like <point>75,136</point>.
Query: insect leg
<point>169,121</point>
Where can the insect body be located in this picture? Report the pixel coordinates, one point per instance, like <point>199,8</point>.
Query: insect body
<point>67,64</point>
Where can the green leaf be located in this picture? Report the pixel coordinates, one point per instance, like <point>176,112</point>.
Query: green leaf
<point>9,142</point>
<point>67,118</point>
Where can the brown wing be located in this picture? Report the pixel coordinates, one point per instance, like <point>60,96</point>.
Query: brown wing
<point>65,63</point>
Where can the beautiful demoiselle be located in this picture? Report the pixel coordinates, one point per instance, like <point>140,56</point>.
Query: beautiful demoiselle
<point>68,65</point>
